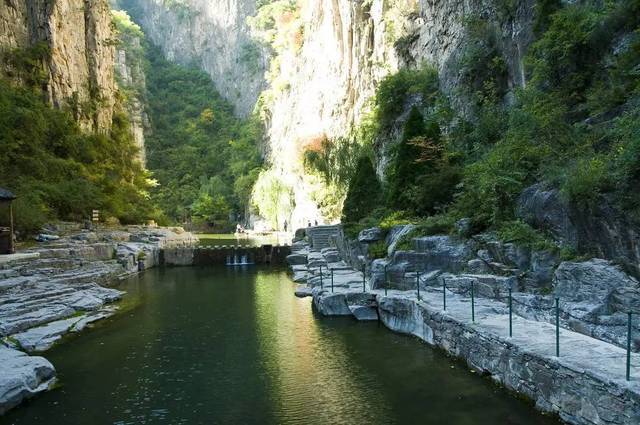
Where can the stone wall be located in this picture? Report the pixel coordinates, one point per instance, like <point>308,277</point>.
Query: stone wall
<point>585,385</point>
<point>578,395</point>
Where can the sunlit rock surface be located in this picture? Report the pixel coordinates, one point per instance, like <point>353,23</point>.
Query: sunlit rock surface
<point>213,35</point>
<point>80,66</point>
<point>586,385</point>
<point>21,377</point>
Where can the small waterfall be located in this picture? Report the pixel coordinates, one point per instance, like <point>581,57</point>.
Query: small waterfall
<point>239,259</point>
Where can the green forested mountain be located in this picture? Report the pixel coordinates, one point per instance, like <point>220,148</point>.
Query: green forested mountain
<point>61,172</point>
<point>204,158</point>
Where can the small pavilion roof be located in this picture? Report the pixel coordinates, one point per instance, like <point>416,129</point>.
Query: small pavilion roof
<point>6,195</point>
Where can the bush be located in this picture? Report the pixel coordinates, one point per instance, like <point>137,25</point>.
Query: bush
<point>394,90</point>
<point>524,235</point>
<point>377,250</point>
<point>587,180</point>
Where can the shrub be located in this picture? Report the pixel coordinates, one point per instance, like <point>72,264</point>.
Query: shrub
<point>394,90</point>
<point>587,180</point>
<point>522,234</point>
<point>377,250</point>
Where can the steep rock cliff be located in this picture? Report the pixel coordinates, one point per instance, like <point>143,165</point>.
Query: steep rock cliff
<point>212,35</point>
<point>320,82</point>
<point>348,47</point>
<point>131,78</point>
<point>79,61</point>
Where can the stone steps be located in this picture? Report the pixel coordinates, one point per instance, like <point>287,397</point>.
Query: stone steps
<point>320,236</point>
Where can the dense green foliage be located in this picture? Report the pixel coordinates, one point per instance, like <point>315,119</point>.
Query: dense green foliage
<point>363,194</point>
<point>574,126</point>
<point>273,198</point>
<point>60,172</point>
<point>205,159</point>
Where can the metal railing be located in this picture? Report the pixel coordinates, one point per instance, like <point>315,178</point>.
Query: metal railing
<point>555,307</point>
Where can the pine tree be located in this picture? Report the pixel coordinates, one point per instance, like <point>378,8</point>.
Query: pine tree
<point>363,194</point>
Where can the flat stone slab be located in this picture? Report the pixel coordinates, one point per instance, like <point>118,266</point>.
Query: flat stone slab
<point>303,291</point>
<point>10,258</point>
<point>585,385</point>
<point>364,313</point>
<point>22,377</point>
<point>44,337</point>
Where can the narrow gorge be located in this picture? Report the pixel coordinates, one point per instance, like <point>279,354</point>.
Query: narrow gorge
<point>396,152</point>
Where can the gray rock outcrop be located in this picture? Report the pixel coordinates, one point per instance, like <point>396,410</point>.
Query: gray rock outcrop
<point>22,377</point>
<point>600,230</point>
<point>80,64</point>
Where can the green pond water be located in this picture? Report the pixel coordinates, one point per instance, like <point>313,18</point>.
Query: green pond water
<point>234,346</point>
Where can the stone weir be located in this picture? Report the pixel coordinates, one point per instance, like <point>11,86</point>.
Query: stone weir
<point>586,384</point>
<point>225,255</point>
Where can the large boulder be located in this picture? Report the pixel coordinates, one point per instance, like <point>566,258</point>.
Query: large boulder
<point>22,377</point>
<point>330,304</point>
<point>371,235</point>
<point>546,209</point>
<point>395,235</point>
<point>601,229</point>
<point>444,253</point>
<point>296,259</point>
<point>595,287</point>
<point>540,274</point>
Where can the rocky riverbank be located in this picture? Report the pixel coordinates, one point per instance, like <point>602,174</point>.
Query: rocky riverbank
<point>60,287</point>
<point>585,385</point>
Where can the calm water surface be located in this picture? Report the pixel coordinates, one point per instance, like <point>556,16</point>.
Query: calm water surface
<point>234,346</point>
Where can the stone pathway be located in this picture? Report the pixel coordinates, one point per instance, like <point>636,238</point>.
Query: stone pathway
<point>595,391</point>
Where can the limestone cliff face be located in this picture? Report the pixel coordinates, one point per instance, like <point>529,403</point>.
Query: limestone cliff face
<point>213,35</point>
<point>328,82</point>
<point>319,86</point>
<point>79,64</point>
<point>349,46</point>
<point>131,79</point>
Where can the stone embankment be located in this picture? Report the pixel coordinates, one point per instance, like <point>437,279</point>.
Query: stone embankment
<point>586,384</point>
<point>60,287</point>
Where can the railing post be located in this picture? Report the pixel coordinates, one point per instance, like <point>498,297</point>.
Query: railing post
<point>321,283</point>
<point>385,281</point>
<point>364,279</point>
<point>473,304</point>
<point>510,314</point>
<point>444,294</point>
<point>418,283</point>
<point>332,280</point>
<point>557,327</point>
<point>628,346</point>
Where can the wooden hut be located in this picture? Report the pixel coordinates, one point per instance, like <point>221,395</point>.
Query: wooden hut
<point>6,222</point>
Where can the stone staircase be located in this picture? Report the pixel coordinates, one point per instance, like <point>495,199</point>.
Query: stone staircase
<point>320,237</point>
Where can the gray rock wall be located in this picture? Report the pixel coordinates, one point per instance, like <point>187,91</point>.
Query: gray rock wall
<point>80,66</point>
<point>578,396</point>
<point>601,230</point>
<point>213,35</point>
